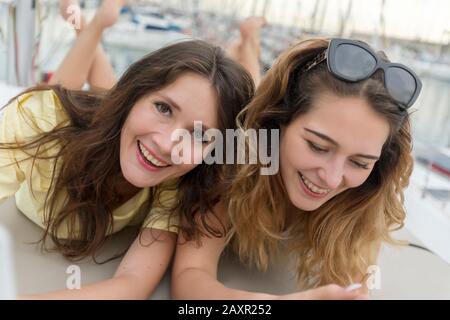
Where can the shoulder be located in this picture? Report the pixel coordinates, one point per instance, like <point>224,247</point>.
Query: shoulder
<point>166,193</point>
<point>32,113</point>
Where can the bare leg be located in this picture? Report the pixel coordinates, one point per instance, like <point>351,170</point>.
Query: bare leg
<point>102,76</point>
<point>87,61</point>
<point>248,49</point>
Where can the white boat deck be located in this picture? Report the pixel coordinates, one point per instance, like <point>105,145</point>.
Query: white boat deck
<point>406,272</point>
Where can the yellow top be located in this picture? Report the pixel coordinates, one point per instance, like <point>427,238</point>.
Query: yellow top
<point>41,111</point>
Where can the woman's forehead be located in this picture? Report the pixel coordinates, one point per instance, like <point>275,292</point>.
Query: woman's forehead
<point>350,121</point>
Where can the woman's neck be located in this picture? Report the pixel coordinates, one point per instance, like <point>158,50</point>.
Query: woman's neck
<point>291,212</point>
<point>124,190</point>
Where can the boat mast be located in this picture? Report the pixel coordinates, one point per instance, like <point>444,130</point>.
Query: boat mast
<point>345,19</point>
<point>20,42</point>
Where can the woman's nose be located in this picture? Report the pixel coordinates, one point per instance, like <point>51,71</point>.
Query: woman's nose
<point>332,173</point>
<point>164,144</point>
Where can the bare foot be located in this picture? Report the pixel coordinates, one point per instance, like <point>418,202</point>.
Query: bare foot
<point>251,27</point>
<point>66,8</point>
<point>108,12</point>
<point>70,10</point>
<point>247,49</point>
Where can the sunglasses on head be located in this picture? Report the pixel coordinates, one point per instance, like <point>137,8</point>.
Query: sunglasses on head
<point>353,61</point>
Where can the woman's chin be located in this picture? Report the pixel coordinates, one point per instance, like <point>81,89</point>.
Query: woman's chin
<point>143,184</point>
<point>302,204</point>
<point>136,178</point>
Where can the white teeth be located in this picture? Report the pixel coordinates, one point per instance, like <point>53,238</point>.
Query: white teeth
<point>312,187</point>
<point>149,157</point>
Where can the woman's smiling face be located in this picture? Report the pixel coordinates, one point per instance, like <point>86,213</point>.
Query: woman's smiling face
<point>146,137</point>
<point>331,148</point>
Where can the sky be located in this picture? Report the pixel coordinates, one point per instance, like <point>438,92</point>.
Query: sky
<point>425,20</point>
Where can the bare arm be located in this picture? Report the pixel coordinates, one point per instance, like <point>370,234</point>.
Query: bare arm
<point>194,274</point>
<point>136,277</point>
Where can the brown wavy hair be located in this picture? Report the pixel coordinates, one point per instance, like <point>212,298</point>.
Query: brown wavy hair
<point>89,144</point>
<point>338,241</point>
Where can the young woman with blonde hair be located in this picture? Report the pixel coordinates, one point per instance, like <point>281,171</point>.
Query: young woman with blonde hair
<point>345,159</point>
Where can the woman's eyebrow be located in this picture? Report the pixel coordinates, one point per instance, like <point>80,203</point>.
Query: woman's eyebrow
<point>327,138</point>
<point>322,136</point>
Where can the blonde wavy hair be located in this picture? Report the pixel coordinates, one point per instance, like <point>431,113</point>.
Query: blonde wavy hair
<point>337,242</point>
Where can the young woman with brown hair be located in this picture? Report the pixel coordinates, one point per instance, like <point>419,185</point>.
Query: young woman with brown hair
<point>86,164</point>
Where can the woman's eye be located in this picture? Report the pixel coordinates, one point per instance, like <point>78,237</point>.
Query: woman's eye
<point>361,165</point>
<point>163,108</point>
<point>316,148</point>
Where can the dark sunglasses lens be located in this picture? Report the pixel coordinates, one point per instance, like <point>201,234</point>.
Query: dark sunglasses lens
<point>353,62</point>
<point>400,84</point>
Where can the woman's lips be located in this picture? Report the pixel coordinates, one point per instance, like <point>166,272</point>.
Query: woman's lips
<point>308,192</point>
<point>146,163</point>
